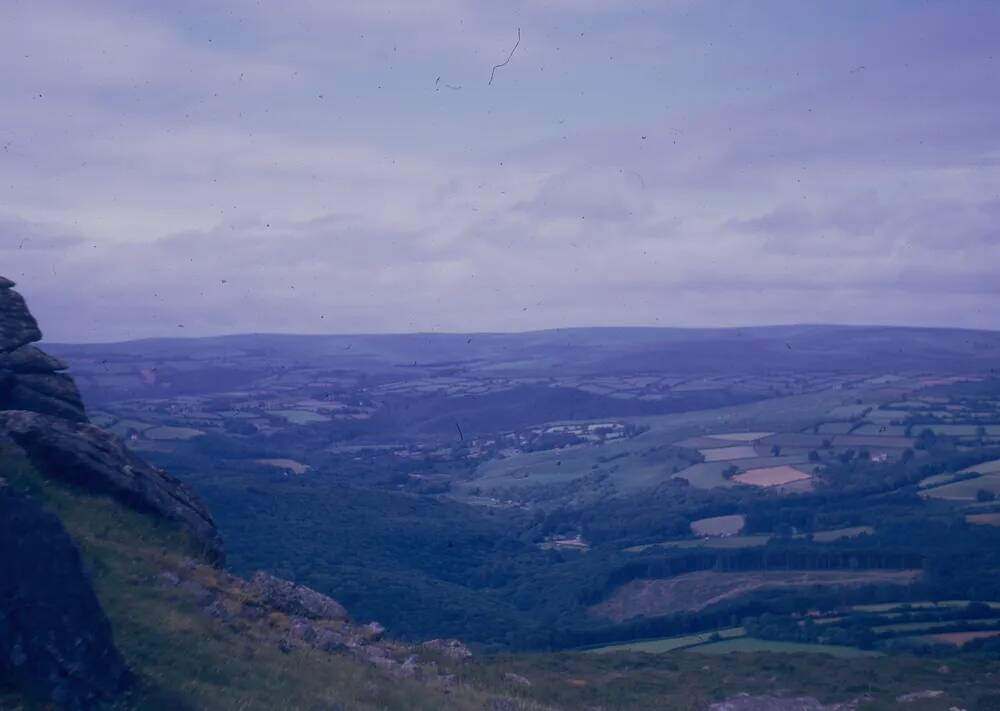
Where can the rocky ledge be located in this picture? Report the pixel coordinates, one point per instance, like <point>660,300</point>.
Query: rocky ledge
<point>87,456</point>
<point>294,599</point>
<point>29,378</point>
<point>55,640</point>
<point>306,619</point>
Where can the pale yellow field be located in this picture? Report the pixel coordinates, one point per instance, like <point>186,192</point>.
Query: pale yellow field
<point>718,525</point>
<point>960,638</point>
<point>290,464</point>
<point>771,476</point>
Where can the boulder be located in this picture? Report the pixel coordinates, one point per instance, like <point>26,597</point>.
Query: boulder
<point>28,359</point>
<point>453,648</point>
<point>17,326</point>
<point>517,679</point>
<point>294,599</point>
<point>98,461</point>
<point>321,637</point>
<point>29,378</point>
<point>55,641</point>
<point>15,396</point>
<point>767,702</point>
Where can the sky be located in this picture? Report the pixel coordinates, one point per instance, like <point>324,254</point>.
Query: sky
<point>193,168</point>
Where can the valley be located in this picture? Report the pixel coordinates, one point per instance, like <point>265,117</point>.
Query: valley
<point>499,488</point>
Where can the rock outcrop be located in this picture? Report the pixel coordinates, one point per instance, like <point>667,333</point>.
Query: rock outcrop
<point>294,599</point>
<point>29,378</point>
<point>55,640</point>
<point>767,702</point>
<point>87,456</point>
<point>452,648</point>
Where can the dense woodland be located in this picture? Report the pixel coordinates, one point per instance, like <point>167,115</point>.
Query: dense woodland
<point>427,565</point>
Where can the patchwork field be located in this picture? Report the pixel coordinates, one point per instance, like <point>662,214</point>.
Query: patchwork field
<point>708,475</point>
<point>705,475</point>
<point>695,591</point>
<point>490,448</point>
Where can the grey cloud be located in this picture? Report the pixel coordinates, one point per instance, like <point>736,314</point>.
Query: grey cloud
<point>180,180</point>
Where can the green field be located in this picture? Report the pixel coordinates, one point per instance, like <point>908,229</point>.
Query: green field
<point>669,644</point>
<point>850,410</point>
<point>300,417</point>
<point>706,475</point>
<point>122,427</point>
<point>728,542</point>
<point>918,605</point>
<point>750,644</point>
<point>840,533</point>
<point>835,428</point>
<point>984,468</point>
<point>742,436</point>
<point>172,433</point>
<point>632,464</point>
<point>881,430</point>
<point>936,480</point>
<point>964,490</point>
<point>920,626</point>
<point>959,430</point>
<point>751,541</point>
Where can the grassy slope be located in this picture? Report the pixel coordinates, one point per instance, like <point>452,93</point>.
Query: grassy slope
<point>182,658</point>
<point>685,680</point>
<point>186,660</point>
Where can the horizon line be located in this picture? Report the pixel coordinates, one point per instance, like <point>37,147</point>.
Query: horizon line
<point>371,334</point>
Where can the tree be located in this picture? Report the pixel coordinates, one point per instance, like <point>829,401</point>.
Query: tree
<point>926,439</point>
<point>985,495</point>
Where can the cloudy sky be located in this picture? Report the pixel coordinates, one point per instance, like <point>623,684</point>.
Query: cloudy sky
<point>194,168</point>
